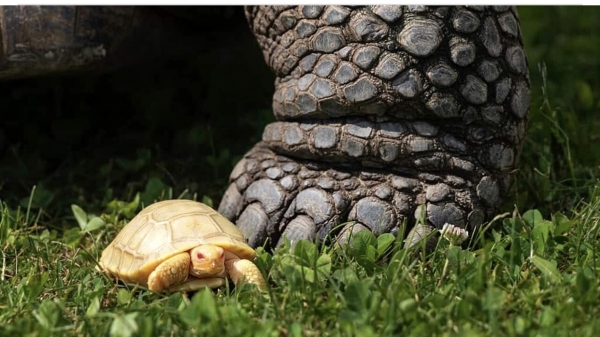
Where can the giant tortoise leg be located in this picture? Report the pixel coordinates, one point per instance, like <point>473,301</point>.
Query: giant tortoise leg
<point>380,109</point>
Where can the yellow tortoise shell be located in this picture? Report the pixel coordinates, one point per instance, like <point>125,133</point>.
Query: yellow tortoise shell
<point>167,228</point>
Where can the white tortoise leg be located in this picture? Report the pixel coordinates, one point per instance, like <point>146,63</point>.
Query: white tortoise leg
<point>172,271</point>
<point>243,271</point>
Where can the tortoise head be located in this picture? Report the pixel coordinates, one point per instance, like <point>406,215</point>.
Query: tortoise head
<point>207,261</point>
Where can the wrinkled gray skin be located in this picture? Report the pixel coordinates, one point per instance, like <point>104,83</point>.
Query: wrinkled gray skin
<point>380,109</point>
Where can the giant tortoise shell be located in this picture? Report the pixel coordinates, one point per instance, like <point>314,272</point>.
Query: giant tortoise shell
<point>154,249</point>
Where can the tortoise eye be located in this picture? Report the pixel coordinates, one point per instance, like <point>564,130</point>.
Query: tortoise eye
<point>222,255</point>
<point>199,256</point>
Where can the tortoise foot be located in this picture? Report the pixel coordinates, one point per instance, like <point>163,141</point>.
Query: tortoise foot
<point>273,196</point>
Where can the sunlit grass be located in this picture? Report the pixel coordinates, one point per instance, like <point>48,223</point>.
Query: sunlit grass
<point>533,271</point>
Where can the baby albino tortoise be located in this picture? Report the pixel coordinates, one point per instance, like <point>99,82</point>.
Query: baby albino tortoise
<point>181,245</point>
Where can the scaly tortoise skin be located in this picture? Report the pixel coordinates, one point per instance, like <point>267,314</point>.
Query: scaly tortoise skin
<point>380,110</point>
<point>180,245</point>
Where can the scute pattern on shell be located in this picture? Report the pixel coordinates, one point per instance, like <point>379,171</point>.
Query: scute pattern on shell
<point>164,229</point>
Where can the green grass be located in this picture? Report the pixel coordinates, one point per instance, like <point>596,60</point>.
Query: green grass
<point>535,270</point>
<point>527,276</point>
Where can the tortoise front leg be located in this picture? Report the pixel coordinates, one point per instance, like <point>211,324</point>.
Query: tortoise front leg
<point>243,271</point>
<point>171,272</point>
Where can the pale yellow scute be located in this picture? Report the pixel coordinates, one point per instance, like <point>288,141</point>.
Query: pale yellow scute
<point>165,229</point>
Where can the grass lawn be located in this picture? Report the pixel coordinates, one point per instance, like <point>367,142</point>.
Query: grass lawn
<point>535,270</point>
